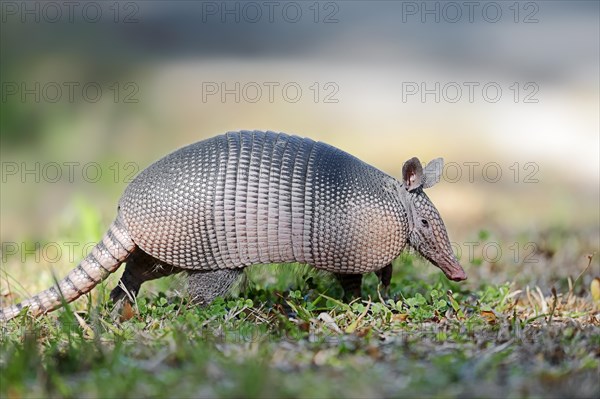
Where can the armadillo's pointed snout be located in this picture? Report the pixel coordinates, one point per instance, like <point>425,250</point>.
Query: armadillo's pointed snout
<point>453,270</point>
<point>457,275</point>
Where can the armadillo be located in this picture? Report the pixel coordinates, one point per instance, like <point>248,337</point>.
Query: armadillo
<point>214,207</point>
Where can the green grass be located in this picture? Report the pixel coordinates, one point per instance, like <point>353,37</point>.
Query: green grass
<point>300,343</point>
<point>289,334</point>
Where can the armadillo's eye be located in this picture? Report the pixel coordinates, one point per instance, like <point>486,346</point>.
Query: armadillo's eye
<point>424,222</point>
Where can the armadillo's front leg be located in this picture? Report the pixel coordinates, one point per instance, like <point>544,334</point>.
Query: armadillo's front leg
<point>385,277</point>
<point>205,286</point>
<point>140,267</point>
<point>351,283</point>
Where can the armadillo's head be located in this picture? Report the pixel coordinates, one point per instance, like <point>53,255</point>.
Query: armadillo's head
<point>427,233</point>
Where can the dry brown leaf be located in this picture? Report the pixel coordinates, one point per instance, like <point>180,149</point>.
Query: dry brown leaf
<point>127,312</point>
<point>399,317</point>
<point>304,326</point>
<point>489,316</point>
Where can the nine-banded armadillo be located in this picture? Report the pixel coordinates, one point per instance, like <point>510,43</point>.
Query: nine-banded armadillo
<point>243,198</point>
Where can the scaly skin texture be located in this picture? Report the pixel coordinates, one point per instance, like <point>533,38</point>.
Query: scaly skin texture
<point>248,198</point>
<point>217,206</point>
<point>105,258</point>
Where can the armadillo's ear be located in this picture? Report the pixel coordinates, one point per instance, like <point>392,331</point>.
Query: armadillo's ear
<point>433,172</point>
<point>412,174</point>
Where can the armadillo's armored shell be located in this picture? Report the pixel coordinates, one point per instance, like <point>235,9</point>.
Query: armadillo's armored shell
<point>253,197</point>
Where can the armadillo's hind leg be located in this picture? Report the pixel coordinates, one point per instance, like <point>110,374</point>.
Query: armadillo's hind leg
<point>351,283</point>
<point>140,267</point>
<point>205,286</point>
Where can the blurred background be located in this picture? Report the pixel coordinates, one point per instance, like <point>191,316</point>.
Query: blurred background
<point>506,92</point>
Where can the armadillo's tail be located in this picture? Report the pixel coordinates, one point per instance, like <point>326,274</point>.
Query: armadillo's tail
<point>105,258</point>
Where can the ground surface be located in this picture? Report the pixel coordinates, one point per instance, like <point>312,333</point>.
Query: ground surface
<point>532,333</point>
